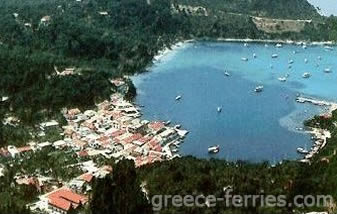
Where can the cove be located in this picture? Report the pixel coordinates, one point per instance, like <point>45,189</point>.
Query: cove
<point>252,126</point>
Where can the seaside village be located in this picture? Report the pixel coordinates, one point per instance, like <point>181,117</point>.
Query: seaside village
<point>114,130</point>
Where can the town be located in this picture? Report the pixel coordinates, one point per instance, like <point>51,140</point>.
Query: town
<point>113,130</point>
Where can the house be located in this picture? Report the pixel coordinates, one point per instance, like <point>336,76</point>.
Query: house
<point>13,151</point>
<point>63,200</point>
<point>156,127</point>
<point>45,19</point>
<point>24,149</point>
<point>2,169</point>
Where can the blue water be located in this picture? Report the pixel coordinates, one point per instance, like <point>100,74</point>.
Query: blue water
<point>252,126</point>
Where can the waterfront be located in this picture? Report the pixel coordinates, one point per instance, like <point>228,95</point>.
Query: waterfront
<point>251,126</point>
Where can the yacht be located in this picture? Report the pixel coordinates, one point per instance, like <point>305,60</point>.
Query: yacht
<point>278,45</point>
<point>319,58</point>
<point>306,60</point>
<point>214,149</point>
<point>282,79</point>
<point>266,45</point>
<point>254,55</point>
<point>294,52</point>
<point>245,44</point>
<point>274,56</point>
<point>259,88</point>
<point>244,59</point>
<point>167,122</point>
<point>306,75</point>
<point>304,46</point>
<point>291,61</point>
<point>327,70</point>
<point>302,150</point>
<point>174,150</point>
<point>178,126</point>
<point>328,48</point>
<point>219,109</point>
<point>178,97</point>
<point>227,74</point>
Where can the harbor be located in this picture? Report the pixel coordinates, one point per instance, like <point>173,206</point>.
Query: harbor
<point>319,136</point>
<point>240,96</point>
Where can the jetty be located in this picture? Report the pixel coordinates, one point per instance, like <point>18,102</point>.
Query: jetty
<point>320,136</point>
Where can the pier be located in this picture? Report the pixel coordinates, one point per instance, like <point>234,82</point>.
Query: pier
<point>320,135</point>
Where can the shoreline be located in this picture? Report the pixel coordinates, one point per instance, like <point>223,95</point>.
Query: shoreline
<point>166,50</point>
<point>320,136</point>
<point>281,41</point>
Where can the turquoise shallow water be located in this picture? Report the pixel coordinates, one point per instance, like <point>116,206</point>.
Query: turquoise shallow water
<point>252,126</point>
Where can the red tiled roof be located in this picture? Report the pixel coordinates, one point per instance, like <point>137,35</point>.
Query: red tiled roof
<point>65,198</point>
<point>60,203</point>
<point>87,177</point>
<point>156,125</point>
<point>4,152</point>
<point>145,139</point>
<point>24,149</point>
<point>132,138</point>
<point>83,153</point>
<point>117,133</point>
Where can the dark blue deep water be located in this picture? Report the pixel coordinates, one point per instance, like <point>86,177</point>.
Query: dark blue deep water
<point>251,126</point>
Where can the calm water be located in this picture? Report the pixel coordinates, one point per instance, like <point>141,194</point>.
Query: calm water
<point>251,126</point>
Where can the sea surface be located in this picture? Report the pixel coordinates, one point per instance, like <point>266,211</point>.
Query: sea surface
<point>252,126</point>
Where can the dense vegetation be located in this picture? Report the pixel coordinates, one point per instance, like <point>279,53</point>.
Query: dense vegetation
<point>103,39</point>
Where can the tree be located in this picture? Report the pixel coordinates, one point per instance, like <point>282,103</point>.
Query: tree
<point>120,193</point>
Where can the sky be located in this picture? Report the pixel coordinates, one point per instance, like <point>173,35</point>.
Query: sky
<point>328,7</point>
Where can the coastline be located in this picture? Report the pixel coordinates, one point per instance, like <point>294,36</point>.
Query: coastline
<point>166,50</point>
<point>320,136</point>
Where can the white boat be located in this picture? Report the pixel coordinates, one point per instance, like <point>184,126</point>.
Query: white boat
<point>245,44</point>
<point>294,52</point>
<point>227,74</point>
<point>266,45</point>
<point>274,56</point>
<point>174,150</point>
<point>254,55</point>
<point>168,122</point>
<point>219,109</point>
<point>244,59</point>
<point>306,75</point>
<point>214,149</point>
<point>304,46</point>
<point>282,79</point>
<point>178,97</point>
<point>178,126</point>
<point>319,58</point>
<point>327,70</point>
<point>302,150</point>
<point>279,45</point>
<point>291,61</point>
<point>328,48</point>
<point>306,60</point>
<point>259,88</point>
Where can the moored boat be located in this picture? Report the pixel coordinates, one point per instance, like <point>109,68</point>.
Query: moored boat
<point>214,149</point>
<point>244,59</point>
<point>259,88</point>
<point>306,75</point>
<point>302,150</point>
<point>282,79</point>
<point>178,97</point>
<point>274,56</point>
<point>327,70</point>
